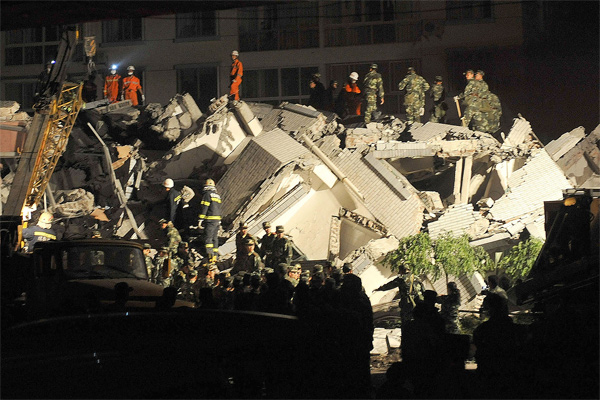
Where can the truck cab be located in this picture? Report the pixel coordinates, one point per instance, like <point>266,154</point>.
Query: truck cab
<point>73,276</point>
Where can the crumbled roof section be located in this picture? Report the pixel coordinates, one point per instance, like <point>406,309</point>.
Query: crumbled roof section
<point>401,217</point>
<point>394,149</point>
<point>559,147</point>
<point>263,156</point>
<point>583,161</point>
<point>520,131</point>
<point>457,219</point>
<point>539,180</point>
<point>432,131</point>
<point>294,118</point>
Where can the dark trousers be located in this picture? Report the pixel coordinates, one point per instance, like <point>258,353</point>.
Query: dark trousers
<point>211,237</point>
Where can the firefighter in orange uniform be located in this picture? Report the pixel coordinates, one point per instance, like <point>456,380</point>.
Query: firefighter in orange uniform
<point>237,71</point>
<point>131,85</point>
<point>352,95</point>
<point>111,85</point>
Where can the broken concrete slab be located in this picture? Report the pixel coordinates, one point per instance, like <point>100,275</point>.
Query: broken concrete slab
<point>559,147</point>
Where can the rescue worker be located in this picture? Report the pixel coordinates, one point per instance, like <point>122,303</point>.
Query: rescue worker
<point>240,239</point>
<point>148,260</point>
<point>331,96</point>
<point>410,290</point>
<point>373,86</point>
<point>89,92</point>
<point>450,305</point>
<point>235,75</point>
<point>351,93</point>
<point>414,99</point>
<point>317,92</point>
<point>173,236</point>
<point>43,79</point>
<point>210,218</point>
<point>161,258</point>
<point>266,243</point>
<point>112,85</point>
<point>282,248</point>
<point>482,85</point>
<point>438,94</point>
<point>131,87</point>
<point>468,97</point>
<point>249,260</point>
<point>173,201</point>
<point>42,232</point>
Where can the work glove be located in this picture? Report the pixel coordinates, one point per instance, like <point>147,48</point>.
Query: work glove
<point>421,111</point>
<point>455,98</point>
<point>122,97</point>
<point>143,98</point>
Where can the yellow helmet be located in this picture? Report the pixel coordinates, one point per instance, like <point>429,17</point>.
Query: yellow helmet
<point>209,182</point>
<point>46,218</point>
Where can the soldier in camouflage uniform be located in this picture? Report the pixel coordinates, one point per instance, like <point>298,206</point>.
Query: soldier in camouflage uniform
<point>372,86</point>
<point>240,239</point>
<point>468,97</point>
<point>148,261</point>
<point>173,236</point>
<point>266,243</point>
<point>282,248</point>
<point>487,119</point>
<point>249,260</point>
<point>438,94</point>
<point>160,260</point>
<point>410,290</point>
<point>414,99</point>
<point>450,304</point>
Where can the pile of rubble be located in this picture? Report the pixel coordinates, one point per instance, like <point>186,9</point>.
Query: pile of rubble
<point>344,193</point>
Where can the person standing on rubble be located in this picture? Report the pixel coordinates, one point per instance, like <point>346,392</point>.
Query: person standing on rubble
<point>173,201</point>
<point>410,291</point>
<point>373,85</point>
<point>173,236</point>
<point>282,248</point>
<point>414,99</point>
<point>210,219</point>
<point>240,240</point>
<point>237,71</point>
<point>266,243</point>
<point>468,97</point>
<point>112,85</point>
<point>43,79</point>
<point>438,94</point>
<point>352,97</point>
<point>131,87</point>
<point>317,92</point>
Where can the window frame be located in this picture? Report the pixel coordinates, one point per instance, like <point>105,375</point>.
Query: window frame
<point>26,45</point>
<point>121,42</point>
<point>197,67</point>
<point>303,95</point>
<point>215,36</point>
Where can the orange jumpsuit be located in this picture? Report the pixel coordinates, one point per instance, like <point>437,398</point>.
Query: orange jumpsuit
<point>353,100</point>
<point>111,87</point>
<point>131,85</point>
<point>237,71</point>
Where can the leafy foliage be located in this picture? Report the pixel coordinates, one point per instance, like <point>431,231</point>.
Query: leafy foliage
<point>414,251</point>
<point>518,262</point>
<point>448,255</point>
<point>454,256</point>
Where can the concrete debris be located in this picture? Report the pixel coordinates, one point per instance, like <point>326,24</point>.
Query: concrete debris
<point>344,193</point>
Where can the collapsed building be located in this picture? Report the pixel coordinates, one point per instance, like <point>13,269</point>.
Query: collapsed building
<point>344,193</point>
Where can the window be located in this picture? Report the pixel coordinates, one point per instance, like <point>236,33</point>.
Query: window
<point>360,22</point>
<point>21,92</point>
<point>279,27</point>
<point>200,82</point>
<point>31,46</point>
<point>458,10</point>
<point>197,24</point>
<point>122,30</point>
<point>274,86</point>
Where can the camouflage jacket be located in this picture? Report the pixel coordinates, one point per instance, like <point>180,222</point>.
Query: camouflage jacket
<point>266,244</point>
<point>438,93</point>
<point>282,250</point>
<point>413,83</point>
<point>173,238</point>
<point>373,84</point>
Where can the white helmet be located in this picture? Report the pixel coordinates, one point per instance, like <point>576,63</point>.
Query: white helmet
<point>131,68</point>
<point>168,183</point>
<point>354,76</point>
<point>45,220</point>
<point>235,53</point>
